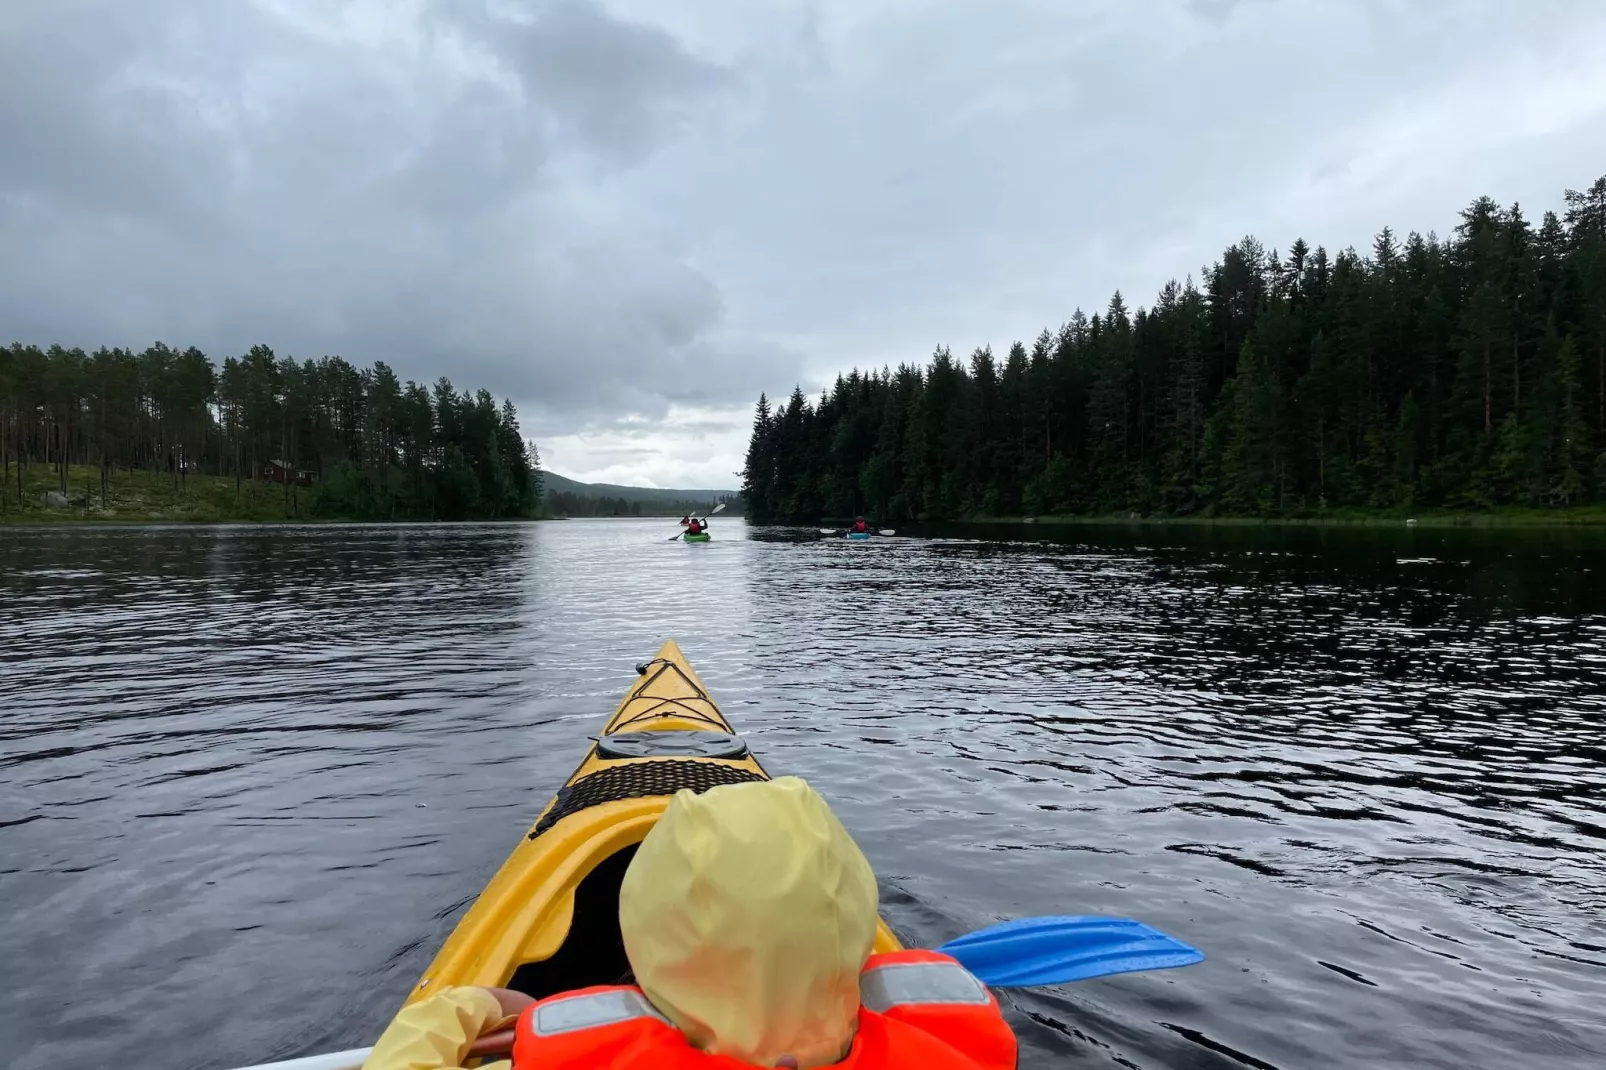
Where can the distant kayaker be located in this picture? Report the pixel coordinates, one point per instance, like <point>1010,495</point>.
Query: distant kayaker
<point>859,527</point>
<point>748,916</point>
<point>685,520</point>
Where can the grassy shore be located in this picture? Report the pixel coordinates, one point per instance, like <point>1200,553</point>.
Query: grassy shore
<point>147,497</point>
<point>154,497</point>
<point>140,497</point>
<point>1582,516</point>
<point>1588,515</point>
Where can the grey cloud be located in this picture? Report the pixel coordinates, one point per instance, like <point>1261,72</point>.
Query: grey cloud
<point>576,79</point>
<point>81,126</point>
<point>712,427</point>
<point>1219,10</point>
<point>219,174</point>
<point>613,207</point>
<point>621,453</point>
<point>616,87</point>
<point>965,173</point>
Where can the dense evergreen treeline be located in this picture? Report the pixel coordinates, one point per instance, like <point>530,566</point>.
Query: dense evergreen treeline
<point>373,446</point>
<point>1462,373</point>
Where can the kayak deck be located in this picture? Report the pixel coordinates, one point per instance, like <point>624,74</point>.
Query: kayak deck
<point>548,921</point>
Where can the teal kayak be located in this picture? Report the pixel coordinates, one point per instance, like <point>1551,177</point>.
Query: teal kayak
<point>858,534</point>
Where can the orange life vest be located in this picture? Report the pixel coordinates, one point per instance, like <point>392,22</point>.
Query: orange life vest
<point>919,1011</point>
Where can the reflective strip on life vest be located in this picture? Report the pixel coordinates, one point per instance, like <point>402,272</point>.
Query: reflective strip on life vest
<point>883,987</point>
<point>590,1011</point>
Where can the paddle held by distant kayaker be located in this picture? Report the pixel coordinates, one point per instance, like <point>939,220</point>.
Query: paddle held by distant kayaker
<point>748,915</point>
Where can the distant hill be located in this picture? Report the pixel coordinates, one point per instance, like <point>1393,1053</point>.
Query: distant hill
<point>570,497</point>
<point>564,485</point>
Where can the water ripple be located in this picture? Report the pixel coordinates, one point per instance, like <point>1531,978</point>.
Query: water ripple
<point>1365,771</point>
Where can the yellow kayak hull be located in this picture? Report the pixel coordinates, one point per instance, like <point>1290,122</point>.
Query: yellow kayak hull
<point>548,920</point>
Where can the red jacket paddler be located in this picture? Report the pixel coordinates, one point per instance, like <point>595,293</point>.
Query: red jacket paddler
<point>919,1010</point>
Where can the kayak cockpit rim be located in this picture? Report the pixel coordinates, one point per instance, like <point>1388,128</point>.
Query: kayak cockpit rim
<point>525,935</point>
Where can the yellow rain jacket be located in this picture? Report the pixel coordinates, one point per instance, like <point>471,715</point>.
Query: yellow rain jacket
<point>747,915</point>
<point>437,1032</point>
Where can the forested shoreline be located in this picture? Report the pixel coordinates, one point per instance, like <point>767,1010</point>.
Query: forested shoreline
<point>1466,373</point>
<point>334,441</point>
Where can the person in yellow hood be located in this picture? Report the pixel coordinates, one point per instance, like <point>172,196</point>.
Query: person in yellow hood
<point>748,916</point>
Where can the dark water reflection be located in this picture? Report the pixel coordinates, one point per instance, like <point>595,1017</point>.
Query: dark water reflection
<point>250,777</point>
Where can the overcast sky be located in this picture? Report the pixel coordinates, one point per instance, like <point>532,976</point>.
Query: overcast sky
<point>631,216</point>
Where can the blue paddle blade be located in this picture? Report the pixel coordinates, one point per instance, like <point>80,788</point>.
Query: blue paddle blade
<point>1058,950</point>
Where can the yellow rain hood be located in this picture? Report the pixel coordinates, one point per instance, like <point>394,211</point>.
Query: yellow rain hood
<point>748,914</point>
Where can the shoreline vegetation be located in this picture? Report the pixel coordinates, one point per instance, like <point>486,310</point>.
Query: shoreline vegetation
<point>1577,517</point>
<point>1503,518</point>
<point>1459,381</point>
<point>166,434</point>
<point>139,496</point>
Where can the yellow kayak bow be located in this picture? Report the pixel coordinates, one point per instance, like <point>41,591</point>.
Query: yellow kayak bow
<point>548,921</point>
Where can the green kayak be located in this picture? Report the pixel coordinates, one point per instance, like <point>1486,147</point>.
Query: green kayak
<point>700,537</point>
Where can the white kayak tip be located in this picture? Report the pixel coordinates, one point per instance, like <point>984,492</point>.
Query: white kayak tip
<point>338,1060</point>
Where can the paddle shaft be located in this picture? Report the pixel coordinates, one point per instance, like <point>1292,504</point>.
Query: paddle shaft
<point>704,520</point>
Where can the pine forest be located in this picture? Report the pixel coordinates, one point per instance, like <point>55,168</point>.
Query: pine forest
<point>1463,373</point>
<point>314,439</point>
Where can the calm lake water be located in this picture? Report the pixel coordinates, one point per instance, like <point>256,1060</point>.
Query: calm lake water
<point>250,777</point>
